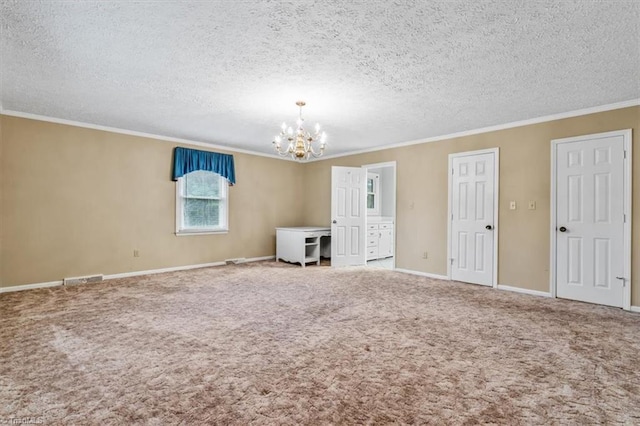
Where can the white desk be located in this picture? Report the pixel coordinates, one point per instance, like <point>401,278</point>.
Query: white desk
<point>302,244</point>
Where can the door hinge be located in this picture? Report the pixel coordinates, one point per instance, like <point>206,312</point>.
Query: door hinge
<point>624,218</point>
<point>625,154</point>
<point>452,260</point>
<point>452,171</point>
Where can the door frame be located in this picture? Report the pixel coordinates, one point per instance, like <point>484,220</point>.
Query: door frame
<point>627,200</point>
<point>496,205</point>
<point>395,198</point>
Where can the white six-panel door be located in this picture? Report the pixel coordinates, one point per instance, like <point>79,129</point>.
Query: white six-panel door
<point>348,214</point>
<point>590,220</point>
<point>472,222</point>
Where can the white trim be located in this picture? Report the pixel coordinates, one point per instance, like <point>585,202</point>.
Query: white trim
<point>524,291</point>
<point>188,233</point>
<point>635,309</point>
<point>131,274</point>
<point>627,203</point>
<point>628,199</point>
<point>30,286</point>
<point>395,200</point>
<point>423,274</point>
<point>181,268</point>
<point>496,206</point>
<point>223,196</point>
<point>135,133</point>
<point>537,120</point>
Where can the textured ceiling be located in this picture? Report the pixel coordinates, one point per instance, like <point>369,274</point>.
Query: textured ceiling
<point>373,73</point>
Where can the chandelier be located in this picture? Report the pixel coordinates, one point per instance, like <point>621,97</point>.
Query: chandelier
<point>299,143</point>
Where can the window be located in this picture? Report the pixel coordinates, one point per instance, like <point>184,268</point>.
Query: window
<point>373,197</point>
<point>201,203</point>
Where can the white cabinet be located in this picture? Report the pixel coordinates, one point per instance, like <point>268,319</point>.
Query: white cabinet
<point>379,240</point>
<point>302,244</point>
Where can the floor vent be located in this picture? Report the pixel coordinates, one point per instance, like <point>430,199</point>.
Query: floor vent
<point>235,261</point>
<point>83,280</point>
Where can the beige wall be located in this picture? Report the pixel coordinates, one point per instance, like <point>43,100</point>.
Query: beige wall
<point>78,201</point>
<point>525,174</point>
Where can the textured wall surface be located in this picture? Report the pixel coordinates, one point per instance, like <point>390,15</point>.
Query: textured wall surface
<point>525,174</point>
<point>372,72</point>
<point>79,201</point>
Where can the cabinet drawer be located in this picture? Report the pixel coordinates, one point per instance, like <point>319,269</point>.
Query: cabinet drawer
<point>372,242</point>
<point>386,226</point>
<point>372,227</point>
<point>372,253</point>
<point>372,234</point>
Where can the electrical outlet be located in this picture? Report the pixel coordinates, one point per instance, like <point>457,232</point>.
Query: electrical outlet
<point>424,255</point>
<point>512,205</point>
<point>136,253</point>
<point>532,205</point>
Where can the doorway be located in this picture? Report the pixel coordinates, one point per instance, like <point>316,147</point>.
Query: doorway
<point>381,214</point>
<point>591,218</point>
<point>473,217</point>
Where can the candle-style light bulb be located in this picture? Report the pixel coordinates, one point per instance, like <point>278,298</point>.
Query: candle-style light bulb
<point>317,127</point>
<point>284,126</point>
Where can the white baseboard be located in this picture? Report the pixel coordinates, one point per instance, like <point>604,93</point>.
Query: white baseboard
<point>422,274</point>
<point>635,309</point>
<point>524,291</point>
<point>30,286</point>
<point>129,274</point>
<point>161,271</point>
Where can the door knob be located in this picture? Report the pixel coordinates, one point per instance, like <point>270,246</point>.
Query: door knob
<point>335,221</point>
<point>562,229</point>
<point>489,227</point>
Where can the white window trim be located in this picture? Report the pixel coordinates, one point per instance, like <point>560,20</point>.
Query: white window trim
<point>224,195</point>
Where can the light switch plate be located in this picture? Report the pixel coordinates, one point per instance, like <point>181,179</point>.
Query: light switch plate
<point>512,205</point>
<point>532,205</point>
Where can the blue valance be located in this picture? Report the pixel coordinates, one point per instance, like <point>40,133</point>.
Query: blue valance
<point>189,160</point>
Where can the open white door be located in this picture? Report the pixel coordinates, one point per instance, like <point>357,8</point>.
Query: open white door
<point>590,218</point>
<point>348,214</point>
<point>473,219</point>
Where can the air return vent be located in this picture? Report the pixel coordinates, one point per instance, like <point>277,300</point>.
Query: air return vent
<point>83,280</point>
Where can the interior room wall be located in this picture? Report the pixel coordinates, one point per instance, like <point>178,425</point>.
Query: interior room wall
<point>387,189</point>
<point>525,174</point>
<point>77,201</point>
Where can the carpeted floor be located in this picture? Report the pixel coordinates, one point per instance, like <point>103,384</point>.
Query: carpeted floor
<point>272,343</point>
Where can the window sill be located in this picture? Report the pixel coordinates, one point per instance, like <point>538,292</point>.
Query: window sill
<point>187,233</point>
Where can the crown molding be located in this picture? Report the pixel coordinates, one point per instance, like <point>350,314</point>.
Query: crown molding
<point>543,119</point>
<point>30,116</point>
<point>537,120</point>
